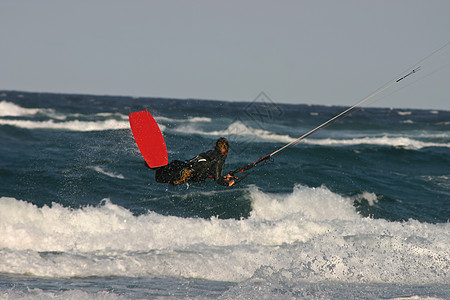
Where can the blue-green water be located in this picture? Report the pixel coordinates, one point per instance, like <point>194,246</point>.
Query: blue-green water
<point>359,207</point>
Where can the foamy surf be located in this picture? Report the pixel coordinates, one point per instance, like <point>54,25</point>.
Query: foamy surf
<point>236,129</point>
<point>403,142</point>
<point>74,125</point>
<point>189,119</point>
<point>311,233</point>
<point>59,121</point>
<point>268,239</point>
<point>244,131</point>
<point>9,109</point>
<point>192,125</point>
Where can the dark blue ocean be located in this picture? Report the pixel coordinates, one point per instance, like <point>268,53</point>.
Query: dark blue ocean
<point>360,209</point>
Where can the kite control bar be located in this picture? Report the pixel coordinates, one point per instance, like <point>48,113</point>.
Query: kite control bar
<point>247,167</point>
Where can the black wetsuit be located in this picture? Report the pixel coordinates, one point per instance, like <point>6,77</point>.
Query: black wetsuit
<point>208,164</point>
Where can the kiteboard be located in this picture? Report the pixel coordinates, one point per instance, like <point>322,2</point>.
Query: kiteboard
<point>149,138</point>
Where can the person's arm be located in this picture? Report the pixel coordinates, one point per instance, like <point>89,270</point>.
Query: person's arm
<point>218,177</point>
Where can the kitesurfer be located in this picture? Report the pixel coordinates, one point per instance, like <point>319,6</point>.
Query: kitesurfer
<point>197,169</point>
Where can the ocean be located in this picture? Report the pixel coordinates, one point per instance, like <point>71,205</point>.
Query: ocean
<point>360,209</point>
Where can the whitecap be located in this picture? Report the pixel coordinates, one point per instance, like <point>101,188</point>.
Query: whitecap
<point>74,125</point>
<point>188,120</point>
<point>238,129</point>
<point>8,109</point>
<point>199,119</point>
<point>308,234</point>
<point>404,113</point>
<point>14,110</point>
<point>371,198</point>
<point>404,142</point>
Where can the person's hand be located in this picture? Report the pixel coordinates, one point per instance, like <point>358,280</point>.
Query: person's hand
<point>228,177</point>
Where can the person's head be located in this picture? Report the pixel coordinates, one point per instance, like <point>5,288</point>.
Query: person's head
<point>222,146</point>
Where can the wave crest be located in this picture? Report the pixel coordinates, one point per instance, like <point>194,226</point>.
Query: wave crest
<point>9,109</point>
<point>74,125</point>
<point>312,234</point>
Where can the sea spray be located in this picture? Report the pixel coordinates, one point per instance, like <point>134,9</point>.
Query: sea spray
<point>329,241</point>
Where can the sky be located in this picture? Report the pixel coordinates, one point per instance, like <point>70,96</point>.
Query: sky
<point>303,52</point>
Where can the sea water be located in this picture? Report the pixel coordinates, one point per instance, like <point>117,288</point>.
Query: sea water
<point>360,209</point>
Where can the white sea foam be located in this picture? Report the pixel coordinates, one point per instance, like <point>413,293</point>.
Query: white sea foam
<point>14,110</point>
<point>107,173</point>
<point>404,142</point>
<point>310,234</point>
<point>237,128</point>
<point>240,129</point>
<point>371,198</point>
<point>189,120</point>
<point>118,115</point>
<point>404,113</point>
<point>74,125</point>
<point>117,121</point>
<point>200,119</point>
<point>442,181</point>
<point>8,109</point>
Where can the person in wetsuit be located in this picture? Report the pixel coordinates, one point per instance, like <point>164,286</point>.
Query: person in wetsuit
<point>197,169</point>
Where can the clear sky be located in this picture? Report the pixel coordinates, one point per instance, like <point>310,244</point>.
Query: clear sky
<point>313,52</point>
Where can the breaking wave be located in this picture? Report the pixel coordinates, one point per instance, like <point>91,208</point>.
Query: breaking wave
<point>13,110</point>
<point>74,125</point>
<point>240,129</point>
<point>311,233</point>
